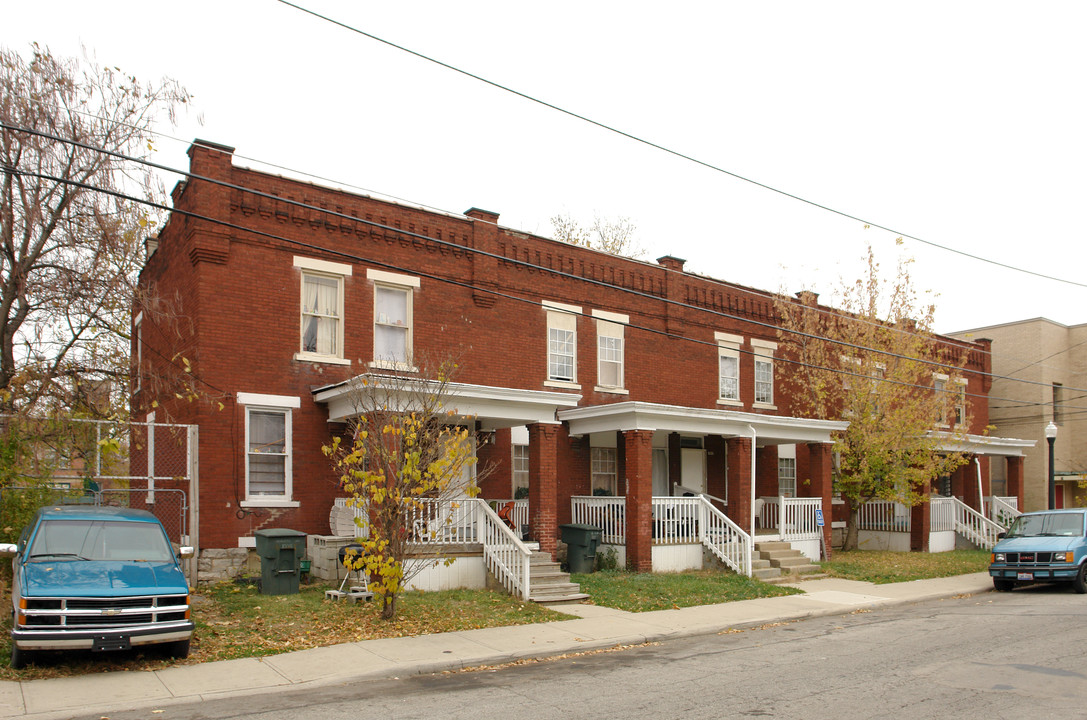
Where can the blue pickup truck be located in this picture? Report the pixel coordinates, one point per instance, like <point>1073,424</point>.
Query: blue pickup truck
<point>97,578</point>
<point>1048,546</point>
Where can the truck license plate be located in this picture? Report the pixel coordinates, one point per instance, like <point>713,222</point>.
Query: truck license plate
<point>111,642</point>
<point>1025,576</point>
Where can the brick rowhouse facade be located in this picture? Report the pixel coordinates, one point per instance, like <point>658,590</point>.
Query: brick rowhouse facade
<point>230,301</point>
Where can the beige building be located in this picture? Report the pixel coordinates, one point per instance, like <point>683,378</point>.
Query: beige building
<point>1040,375</point>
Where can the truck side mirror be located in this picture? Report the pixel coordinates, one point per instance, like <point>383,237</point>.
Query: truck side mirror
<point>8,549</point>
<point>185,551</point>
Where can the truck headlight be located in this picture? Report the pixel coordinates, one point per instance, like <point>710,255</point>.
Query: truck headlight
<point>998,558</point>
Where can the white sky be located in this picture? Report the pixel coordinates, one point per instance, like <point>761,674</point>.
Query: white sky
<point>961,123</point>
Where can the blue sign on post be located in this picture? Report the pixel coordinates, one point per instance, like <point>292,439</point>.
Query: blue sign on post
<point>819,517</point>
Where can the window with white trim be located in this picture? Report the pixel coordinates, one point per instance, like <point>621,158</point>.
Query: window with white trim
<point>764,371</point>
<point>787,477</point>
<point>393,309</point>
<point>610,328</point>
<point>959,411</point>
<point>562,343</point>
<point>520,468</point>
<point>605,473</point>
<point>728,368</point>
<point>268,448</point>
<point>321,332</point>
<point>939,384</point>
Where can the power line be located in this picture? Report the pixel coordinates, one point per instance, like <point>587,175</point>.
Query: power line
<point>502,258</point>
<point>675,153</point>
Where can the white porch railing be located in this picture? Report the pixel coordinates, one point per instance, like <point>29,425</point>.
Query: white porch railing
<point>675,520</point>
<point>443,522</point>
<point>519,514</point>
<point>941,514</point>
<point>884,515</point>
<point>606,513</point>
<point>795,518</point>
<point>506,556</point>
<point>724,538</point>
<point>974,526</point>
<point>800,518</point>
<point>1003,510</point>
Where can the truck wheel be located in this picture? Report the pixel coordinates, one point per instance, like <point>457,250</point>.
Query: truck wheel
<point>1003,585</point>
<point>18,658</point>
<point>178,649</point>
<point>1080,583</point>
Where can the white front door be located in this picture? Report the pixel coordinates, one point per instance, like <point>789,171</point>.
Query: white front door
<point>693,469</point>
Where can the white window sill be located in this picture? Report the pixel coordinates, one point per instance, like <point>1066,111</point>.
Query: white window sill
<point>562,384</point>
<point>314,357</point>
<point>269,502</point>
<point>403,367</point>
<point>730,403</point>
<point>612,390</point>
<point>764,406</point>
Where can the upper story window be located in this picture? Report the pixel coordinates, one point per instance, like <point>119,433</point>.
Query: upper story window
<point>610,329</point>
<point>268,449</point>
<point>957,386</point>
<point>764,372</point>
<point>561,344</point>
<point>959,411</point>
<point>393,319</point>
<point>322,310</point>
<point>728,368</point>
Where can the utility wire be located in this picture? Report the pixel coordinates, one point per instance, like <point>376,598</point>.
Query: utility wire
<point>676,153</point>
<point>358,258</point>
<point>447,243</point>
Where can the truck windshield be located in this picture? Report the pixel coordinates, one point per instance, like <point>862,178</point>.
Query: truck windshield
<point>100,540</point>
<point>1047,525</point>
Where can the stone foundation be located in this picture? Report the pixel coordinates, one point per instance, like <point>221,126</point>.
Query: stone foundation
<point>216,564</point>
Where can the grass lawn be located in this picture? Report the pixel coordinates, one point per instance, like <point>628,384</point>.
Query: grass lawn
<point>641,592</point>
<point>887,567</point>
<point>234,621</point>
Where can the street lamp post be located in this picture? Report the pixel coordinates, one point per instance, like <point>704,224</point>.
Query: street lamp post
<point>1051,437</point>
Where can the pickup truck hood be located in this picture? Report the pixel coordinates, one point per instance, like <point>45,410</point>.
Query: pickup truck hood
<point>1037,544</point>
<point>93,578</point>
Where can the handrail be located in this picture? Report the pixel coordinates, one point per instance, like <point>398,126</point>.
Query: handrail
<point>799,518</point>
<point>724,538</point>
<point>942,517</point>
<point>974,526</point>
<point>605,512</point>
<point>1003,512</point>
<point>508,559</point>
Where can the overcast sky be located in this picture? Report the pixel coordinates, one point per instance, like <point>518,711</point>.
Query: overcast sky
<point>961,123</point>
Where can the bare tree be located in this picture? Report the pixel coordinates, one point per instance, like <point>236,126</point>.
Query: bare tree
<point>69,251</point>
<point>610,236</point>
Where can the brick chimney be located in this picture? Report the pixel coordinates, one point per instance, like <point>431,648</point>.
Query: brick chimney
<point>671,262</point>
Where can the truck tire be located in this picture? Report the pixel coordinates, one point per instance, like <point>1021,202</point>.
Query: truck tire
<point>19,658</point>
<point>1080,583</point>
<point>178,649</point>
<point>1003,585</point>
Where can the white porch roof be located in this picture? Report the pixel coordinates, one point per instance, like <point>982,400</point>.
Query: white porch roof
<point>983,444</point>
<point>769,429</point>
<point>493,407</point>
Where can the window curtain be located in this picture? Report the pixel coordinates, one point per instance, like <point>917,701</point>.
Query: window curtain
<point>391,325</point>
<point>320,311</point>
<point>267,453</point>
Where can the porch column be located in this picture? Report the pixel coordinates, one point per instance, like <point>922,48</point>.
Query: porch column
<point>739,481</point>
<point>1015,479</point>
<point>958,488</point>
<point>970,485</point>
<point>543,485</point>
<point>920,526</point>
<point>637,452</point>
<point>820,484</point>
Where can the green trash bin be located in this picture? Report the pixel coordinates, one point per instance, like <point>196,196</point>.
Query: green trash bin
<point>581,542</point>
<point>281,552</point>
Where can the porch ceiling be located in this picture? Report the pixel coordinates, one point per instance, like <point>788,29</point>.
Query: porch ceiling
<point>983,444</point>
<point>770,429</point>
<point>493,407</point>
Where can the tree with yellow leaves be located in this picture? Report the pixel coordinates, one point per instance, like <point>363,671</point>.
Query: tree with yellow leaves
<point>876,363</point>
<point>408,463</point>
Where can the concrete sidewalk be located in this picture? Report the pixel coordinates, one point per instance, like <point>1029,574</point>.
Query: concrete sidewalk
<point>594,628</point>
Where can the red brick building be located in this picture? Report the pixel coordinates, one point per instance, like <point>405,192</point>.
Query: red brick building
<point>585,371</point>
